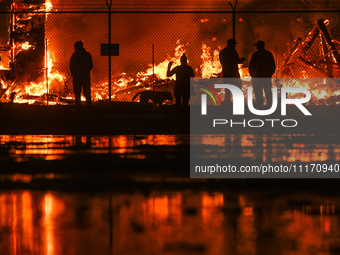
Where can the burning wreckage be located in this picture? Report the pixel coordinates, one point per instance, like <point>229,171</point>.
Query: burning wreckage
<point>301,61</point>
<point>26,76</point>
<point>30,76</point>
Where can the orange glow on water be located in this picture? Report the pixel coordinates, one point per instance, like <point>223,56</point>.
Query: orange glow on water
<point>222,223</point>
<point>14,224</point>
<point>54,147</point>
<point>159,206</point>
<point>210,203</point>
<point>48,203</point>
<point>327,225</point>
<point>247,211</point>
<point>214,200</point>
<point>27,220</point>
<point>269,148</point>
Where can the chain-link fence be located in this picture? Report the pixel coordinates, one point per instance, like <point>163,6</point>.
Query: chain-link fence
<point>148,41</point>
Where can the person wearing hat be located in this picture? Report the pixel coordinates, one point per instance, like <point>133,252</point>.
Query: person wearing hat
<point>262,65</point>
<point>182,85</point>
<point>80,66</point>
<point>230,59</point>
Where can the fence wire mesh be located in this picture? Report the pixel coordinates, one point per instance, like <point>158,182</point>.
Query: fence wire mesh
<point>148,41</point>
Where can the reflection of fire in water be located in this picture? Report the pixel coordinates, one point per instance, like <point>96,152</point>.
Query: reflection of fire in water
<point>48,202</point>
<point>272,148</point>
<point>158,223</point>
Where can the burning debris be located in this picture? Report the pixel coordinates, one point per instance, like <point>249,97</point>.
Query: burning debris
<point>30,64</point>
<point>27,39</point>
<point>31,76</point>
<point>322,61</point>
<point>324,66</point>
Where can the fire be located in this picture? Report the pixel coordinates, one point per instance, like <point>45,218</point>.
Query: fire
<point>321,94</point>
<point>211,65</point>
<point>34,90</point>
<point>161,68</point>
<point>244,72</point>
<point>22,46</point>
<point>48,5</point>
<point>26,46</point>
<point>128,84</point>
<point>53,74</point>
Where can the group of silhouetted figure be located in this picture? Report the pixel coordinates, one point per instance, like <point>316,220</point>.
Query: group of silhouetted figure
<point>261,65</point>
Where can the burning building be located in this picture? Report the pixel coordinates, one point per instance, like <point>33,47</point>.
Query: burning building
<point>27,39</point>
<point>26,49</point>
<point>37,67</point>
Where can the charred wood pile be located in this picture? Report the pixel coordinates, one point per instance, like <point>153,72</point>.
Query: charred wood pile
<point>27,39</point>
<point>300,60</point>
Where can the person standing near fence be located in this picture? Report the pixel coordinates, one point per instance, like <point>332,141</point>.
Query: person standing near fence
<point>262,65</point>
<point>182,86</point>
<point>80,66</point>
<point>230,59</point>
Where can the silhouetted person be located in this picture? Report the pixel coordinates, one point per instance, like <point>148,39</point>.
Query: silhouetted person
<point>80,66</point>
<point>262,65</point>
<point>182,86</point>
<point>230,59</point>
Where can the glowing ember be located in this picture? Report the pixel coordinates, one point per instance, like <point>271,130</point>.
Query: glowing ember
<point>36,90</point>
<point>48,5</point>
<point>26,46</point>
<point>211,66</point>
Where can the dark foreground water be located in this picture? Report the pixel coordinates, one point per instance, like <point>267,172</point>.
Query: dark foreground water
<point>151,214</point>
<point>262,147</point>
<point>168,222</point>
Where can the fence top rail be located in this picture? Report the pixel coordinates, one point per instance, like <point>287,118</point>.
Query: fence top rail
<point>170,11</point>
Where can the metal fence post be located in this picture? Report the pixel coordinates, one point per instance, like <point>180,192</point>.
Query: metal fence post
<point>109,5</point>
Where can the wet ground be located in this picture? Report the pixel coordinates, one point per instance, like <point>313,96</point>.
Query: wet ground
<point>121,118</point>
<point>131,194</point>
<point>97,161</point>
<point>85,188</point>
<point>169,222</point>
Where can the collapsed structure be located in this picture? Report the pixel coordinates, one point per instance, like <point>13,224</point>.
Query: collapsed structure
<point>26,47</point>
<point>297,58</point>
<point>28,72</point>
